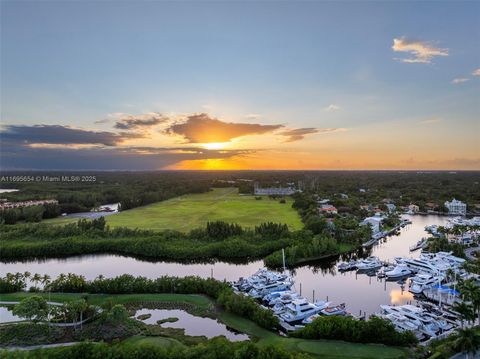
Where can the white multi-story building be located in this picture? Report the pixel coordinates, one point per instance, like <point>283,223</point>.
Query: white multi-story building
<point>456,207</point>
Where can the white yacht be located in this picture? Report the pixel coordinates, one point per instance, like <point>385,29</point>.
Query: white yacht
<point>261,290</point>
<point>424,265</point>
<point>442,323</point>
<point>284,298</point>
<point>369,263</point>
<point>345,266</point>
<point>273,296</point>
<point>403,324</point>
<point>261,277</point>
<point>298,310</point>
<point>399,271</point>
<point>335,310</point>
<point>422,281</point>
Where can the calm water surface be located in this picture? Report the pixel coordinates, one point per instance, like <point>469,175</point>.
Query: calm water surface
<point>6,315</point>
<point>193,325</point>
<point>359,292</point>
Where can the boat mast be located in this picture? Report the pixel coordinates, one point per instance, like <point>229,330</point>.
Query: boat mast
<point>283,257</point>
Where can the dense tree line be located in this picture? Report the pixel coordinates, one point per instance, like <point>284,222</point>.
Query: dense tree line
<point>373,330</point>
<point>29,214</point>
<point>217,348</point>
<point>219,240</point>
<point>315,248</point>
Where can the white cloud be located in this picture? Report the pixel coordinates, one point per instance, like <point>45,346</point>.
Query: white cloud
<point>420,51</point>
<point>431,120</point>
<point>476,72</point>
<point>253,116</point>
<point>459,80</point>
<point>332,107</point>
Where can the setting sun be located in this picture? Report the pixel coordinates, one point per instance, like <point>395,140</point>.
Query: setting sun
<point>215,145</point>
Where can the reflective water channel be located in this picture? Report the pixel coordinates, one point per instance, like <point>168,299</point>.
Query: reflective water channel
<point>6,315</point>
<point>193,325</point>
<point>358,291</point>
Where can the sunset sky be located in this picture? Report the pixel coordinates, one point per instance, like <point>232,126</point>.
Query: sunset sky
<point>139,85</point>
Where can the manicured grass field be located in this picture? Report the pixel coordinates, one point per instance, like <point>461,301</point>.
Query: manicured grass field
<point>195,210</point>
<point>329,349</point>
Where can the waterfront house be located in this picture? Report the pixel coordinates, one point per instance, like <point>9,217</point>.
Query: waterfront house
<point>413,208</point>
<point>456,207</point>
<point>374,222</point>
<point>391,207</point>
<point>327,209</point>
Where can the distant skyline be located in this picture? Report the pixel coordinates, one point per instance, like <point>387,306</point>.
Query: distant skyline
<point>145,85</point>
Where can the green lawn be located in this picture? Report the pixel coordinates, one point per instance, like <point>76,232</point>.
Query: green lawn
<point>195,210</point>
<point>199,301</point>
<point>329,349</point>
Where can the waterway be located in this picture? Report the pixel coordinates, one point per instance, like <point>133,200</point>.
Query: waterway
<point>320,279</point>
<point>193,325</point>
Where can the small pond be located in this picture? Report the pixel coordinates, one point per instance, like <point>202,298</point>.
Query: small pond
<point>7,316</point>
<point>193,325</point>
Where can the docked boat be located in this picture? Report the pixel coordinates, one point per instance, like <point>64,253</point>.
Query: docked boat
<point>369,263</point>
<point>261,290</point>
<point>419,245</point>
<point>336,310</point>
<point>399,271</point>
<point>420,282</point>
<point>261,277</point>
<point>346,266</point>
<point>298,310</point>
<point>424,265</point>
<point>284,298</point>
<point>271,298</point>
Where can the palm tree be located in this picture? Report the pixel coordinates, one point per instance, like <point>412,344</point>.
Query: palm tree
<point>18,278</point>
<point>46,282</point>
<point>467,340</point>
<point>466,311</point>
<point>471,292</point>
<point>37,278</point>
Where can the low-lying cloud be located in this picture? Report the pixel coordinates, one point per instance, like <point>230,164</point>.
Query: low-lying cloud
<point>147,120</point>
<point>298,134</point>
<point>459,80</point>
<point>332,108</point>
<point>201,128</point>
<point>420,51</point>
<point>57,134</point>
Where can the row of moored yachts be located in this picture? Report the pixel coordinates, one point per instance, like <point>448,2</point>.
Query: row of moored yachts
<point>428,276</point>
<point>274,290</point>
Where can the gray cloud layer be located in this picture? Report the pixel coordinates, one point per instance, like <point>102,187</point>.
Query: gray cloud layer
<point>57,134</point>
<point>140,121</point>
